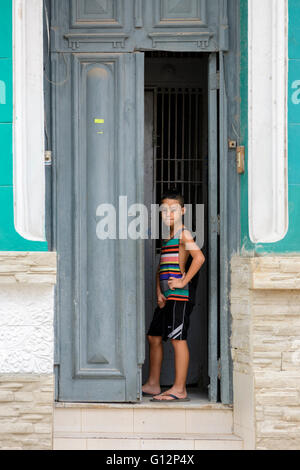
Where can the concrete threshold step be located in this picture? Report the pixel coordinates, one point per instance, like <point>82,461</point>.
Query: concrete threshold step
<point>151,441</point>
<point>162,419</point>
<point>147,405</point>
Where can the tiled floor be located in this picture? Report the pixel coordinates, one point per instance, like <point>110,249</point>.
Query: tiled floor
<point>197,397</point>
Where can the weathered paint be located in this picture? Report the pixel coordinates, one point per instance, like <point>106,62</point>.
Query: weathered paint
<point>291,241</point>
<point>100,288</point>
<point>9,238</point>
<point>213,231</point>
<point>245,241</point>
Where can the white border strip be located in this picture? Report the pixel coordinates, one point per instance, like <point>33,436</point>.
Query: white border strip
<point>28,120</point>
<point>267,146</point>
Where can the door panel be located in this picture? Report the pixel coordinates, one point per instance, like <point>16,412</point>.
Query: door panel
<point>101,315</point>
<point>97,14</point>
<point>129,25</point>
<point>213,228</point>
<point>219,314</point>
<point>178,13</point>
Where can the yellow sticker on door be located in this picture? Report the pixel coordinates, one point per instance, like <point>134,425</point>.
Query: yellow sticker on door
<point>99,121</point>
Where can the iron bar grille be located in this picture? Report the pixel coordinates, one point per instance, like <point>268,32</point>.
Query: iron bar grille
<point>180,158</point>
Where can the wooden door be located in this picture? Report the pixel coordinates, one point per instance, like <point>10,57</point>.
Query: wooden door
<point>98,128</point>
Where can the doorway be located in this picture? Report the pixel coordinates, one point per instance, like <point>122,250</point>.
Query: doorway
<point>176,154</point>
<point>95,102</point>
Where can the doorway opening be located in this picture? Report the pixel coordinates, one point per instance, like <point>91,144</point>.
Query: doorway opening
<point>176,154</point>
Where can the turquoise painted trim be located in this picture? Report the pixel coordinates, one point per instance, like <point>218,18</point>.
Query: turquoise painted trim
<point>6,164</point>
<point>6,29</point>
<point>294,29</point>
<point>290,244</point>
<point>245,240</point>
<point>6,93</point>
<point>10,240</point>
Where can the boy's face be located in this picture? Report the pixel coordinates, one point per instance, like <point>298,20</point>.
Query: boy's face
<point>171,212</point>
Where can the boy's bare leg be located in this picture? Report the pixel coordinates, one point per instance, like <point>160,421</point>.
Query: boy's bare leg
<point>182,357</point>
<point>156,356</point>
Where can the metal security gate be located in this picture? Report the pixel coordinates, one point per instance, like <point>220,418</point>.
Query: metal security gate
<point>179,156</point>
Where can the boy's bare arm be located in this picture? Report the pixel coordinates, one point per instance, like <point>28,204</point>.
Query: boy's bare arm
<point>198,259</point>
<point>195,252</point>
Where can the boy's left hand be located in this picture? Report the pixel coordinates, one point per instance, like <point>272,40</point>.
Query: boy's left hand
<point>174,282</point>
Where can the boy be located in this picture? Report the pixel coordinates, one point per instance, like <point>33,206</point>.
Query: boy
<point>175,302</point>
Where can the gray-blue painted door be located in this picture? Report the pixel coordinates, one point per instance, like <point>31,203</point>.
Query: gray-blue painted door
<point>98,118</point>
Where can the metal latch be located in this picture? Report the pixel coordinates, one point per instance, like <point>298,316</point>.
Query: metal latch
<point>240,160</point>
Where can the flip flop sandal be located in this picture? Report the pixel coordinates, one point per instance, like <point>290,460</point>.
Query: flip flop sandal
<point>177,399</point>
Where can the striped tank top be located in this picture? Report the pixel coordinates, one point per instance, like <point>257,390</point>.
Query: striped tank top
<point>169,267</point>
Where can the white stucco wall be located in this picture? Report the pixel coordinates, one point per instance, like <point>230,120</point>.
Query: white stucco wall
<point>267,118</point>
<point>27,312</point>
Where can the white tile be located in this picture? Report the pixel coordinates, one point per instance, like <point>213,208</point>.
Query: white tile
<point>209,421</point>
<point>216,444</point>
<point>243,410</point>
<point>69,444</point>
<point>248,436</point>
<point>67,420</point>
<point>167,444</point>
<point>159,421</point>
<point>107,420</point>
<point>113,444</point>
<point>243,386</point>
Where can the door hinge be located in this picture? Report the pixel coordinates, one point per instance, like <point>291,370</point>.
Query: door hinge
<point>215,81</point>
<point>218,224</point>
<point>139,384</point>
<point>219,368</point>
<point>48,157</point>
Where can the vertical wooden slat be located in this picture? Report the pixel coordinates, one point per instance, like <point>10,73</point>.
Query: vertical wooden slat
<point>154,137</point>
<point>224,269</point>
<point>213,234</point>
<point>190,144</point>
<point>140,198</point>
<point>197,130</point>
<point>182,143</point>
<point>175,144</point>
<point>169,136</point>
<point>162,149</point>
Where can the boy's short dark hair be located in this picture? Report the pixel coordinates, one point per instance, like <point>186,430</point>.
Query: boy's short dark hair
<point>173,194</point>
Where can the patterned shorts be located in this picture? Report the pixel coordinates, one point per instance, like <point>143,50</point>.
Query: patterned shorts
<point>172,321</point>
